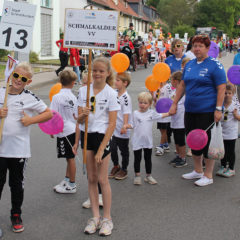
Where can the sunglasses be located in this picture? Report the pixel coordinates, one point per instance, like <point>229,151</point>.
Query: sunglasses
<point>157,93</point>
<point>93,103</point>
<point>17,76</point>
<point>225,118</point>
<point>178,45</point>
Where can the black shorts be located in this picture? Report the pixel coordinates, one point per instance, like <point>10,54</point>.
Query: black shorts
<point>199,121</point>
<point>179,136</point>
<point>163,125</point>
<point>64,149</point>
<point>94,140</point>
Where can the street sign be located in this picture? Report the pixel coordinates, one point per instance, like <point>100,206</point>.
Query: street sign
<point>95,29</point>
<point>16,26</point>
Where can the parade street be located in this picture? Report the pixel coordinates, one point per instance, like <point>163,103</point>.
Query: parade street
<point>174,209</point>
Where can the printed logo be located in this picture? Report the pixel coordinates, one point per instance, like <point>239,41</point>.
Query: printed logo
<point>203,72</point>
<point>7,11</point>
<point>90,15</point>
<point>111,17</point>
<point>70,14</point>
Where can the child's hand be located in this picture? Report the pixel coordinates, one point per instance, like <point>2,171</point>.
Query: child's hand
<point>75,148</point>
<point>123,130</point>
<point>26,120</point>
<point>86,111</point>
<point>3,112</point>
<point>98,156</point>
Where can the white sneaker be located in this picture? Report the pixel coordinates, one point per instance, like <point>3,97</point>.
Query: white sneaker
<point>159,152</point>
<point>66,189</point>
<point>106,227</point>
<point>204,181</point>
<point>92,225</point>
<point>192,175</point>
<point>87,203</point>
<point>150,180</point>
<point>137,180</point>
<point>61,184</point>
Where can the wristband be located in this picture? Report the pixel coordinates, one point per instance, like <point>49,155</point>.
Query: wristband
<point>219,109</point>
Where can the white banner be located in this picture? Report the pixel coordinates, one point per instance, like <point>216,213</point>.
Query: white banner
<point>16,26</point>
<point>96,29</point>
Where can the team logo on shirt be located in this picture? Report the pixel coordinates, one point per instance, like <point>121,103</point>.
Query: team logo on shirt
<point>71,103</point>
<point>20,103</point>
<point>203,72</point>
<point>188,69</point>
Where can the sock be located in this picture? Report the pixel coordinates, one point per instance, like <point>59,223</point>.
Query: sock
<point>66,179</point>
<point>72,184</point>
<point>165,144</point>
<point>161,145</point>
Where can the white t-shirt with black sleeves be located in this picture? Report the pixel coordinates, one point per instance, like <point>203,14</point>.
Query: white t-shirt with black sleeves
<point>229,123</point>
<point>126,108</point>
<point>177,121</point>
<point>105,101</point>
<point>16,137</point>
<point>142,128</point>
<point>65,103</point>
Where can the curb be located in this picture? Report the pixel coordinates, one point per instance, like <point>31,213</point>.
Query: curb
<point>41,84</point>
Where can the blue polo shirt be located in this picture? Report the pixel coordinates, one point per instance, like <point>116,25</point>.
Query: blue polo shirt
<point>174,64</point>
<point>201,81</point>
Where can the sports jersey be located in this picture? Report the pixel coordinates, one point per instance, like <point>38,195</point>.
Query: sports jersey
<point>177,120</point>
<point>142,128</point>
<point>166,92</point>
<point>105,101</point>
<point>126,108</point>
<point>201,81</point>
<point>229,123</point>
<point>174,63</point>
<point>16,137</point>
<point>65,103</point>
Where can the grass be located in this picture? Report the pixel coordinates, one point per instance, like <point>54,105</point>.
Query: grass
<point>36,70</point>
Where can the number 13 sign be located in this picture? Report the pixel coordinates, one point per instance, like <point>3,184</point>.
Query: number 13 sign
<point>16,26</point>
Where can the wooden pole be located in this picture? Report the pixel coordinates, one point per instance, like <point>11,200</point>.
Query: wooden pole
<point>87,105</point>
<point>6,96</point>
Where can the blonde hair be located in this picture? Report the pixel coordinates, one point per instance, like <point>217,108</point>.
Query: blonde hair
<point>177,76</point>
<point>145,96</point>
<point>174,42</point>
<point>185,61</point>
<point>26,67</point>
<point>110,78</point>
<point>231,87</point>
<point>67,77</point>
<point>125,77</point>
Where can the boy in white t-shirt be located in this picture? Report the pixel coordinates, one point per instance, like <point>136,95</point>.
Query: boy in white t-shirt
<point>178,127</point>
<point>15,145</point>
<point>142,136</point>
<point>229,123</point>
<point>65,103</point>
<point>121,136</point>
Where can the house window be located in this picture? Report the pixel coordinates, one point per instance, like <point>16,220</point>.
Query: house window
<point>46,35</point>
<point>46,3</point>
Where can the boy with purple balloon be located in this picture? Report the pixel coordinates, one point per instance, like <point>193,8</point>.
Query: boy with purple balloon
<point>65,103</point>
<point>177,124</point>
<point>18,115</point>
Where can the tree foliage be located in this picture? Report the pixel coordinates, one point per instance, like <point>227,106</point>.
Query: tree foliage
<point>184,28</point>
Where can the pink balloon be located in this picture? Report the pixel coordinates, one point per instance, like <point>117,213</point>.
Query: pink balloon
<point>54,125</point>
<point>197,139</point>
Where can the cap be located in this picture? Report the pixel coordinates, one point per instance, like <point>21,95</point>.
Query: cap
<point>130,24</point>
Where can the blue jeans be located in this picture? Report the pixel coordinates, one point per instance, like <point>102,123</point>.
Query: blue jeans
<point>76,70</point>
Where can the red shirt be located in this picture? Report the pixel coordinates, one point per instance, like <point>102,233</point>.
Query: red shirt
<point>231,42</point>
<point>59,43</point>
<point>128,43</point>
<point>74,57</point>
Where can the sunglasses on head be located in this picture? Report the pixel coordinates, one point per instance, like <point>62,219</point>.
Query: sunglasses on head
<point>225,118</point>
<point>17,76</point>
<point>93,102</point>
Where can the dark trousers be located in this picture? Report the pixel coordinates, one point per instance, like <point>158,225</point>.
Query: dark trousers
<point>63,56</point>
<point>16,167</point>
<point>122,144</point>
<point>147,158</point>
<point>229,156</point>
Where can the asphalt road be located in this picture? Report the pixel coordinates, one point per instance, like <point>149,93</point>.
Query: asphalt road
<point>173,209</point>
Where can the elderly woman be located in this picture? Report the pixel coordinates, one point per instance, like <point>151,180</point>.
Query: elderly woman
<point>204,83</point>
<point>174,61</point>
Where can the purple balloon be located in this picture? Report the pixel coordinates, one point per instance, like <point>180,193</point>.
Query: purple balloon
<point>163,105</point>
<point>233,74</point>
<point>214,50</point>
<point>54,125</point>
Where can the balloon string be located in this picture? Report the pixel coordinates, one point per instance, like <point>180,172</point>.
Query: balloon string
<point>84,168</point>
<point>210,126</point>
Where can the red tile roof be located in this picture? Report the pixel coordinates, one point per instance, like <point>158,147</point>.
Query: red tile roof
<point>120,6</point>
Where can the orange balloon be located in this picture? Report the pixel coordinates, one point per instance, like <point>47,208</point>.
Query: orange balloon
<point>149,46</point>
<point>151,83</point>
<point>120,62</point>
<point>161,71</point>
<point>54,90</point>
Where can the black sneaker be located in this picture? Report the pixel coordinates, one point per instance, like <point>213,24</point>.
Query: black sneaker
<point>180,163</point>
<point>174,161</point>
<point>17,225</point>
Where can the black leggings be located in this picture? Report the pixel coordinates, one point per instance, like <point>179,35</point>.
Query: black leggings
<point>229,156</point>
<point>147,158</point>
<point>16,167</point>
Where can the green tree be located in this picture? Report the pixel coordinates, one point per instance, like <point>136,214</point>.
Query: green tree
<point>222,14</point>
<point>184,28</point>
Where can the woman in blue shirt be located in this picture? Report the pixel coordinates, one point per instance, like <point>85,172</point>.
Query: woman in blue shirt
<point>204,83</point>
